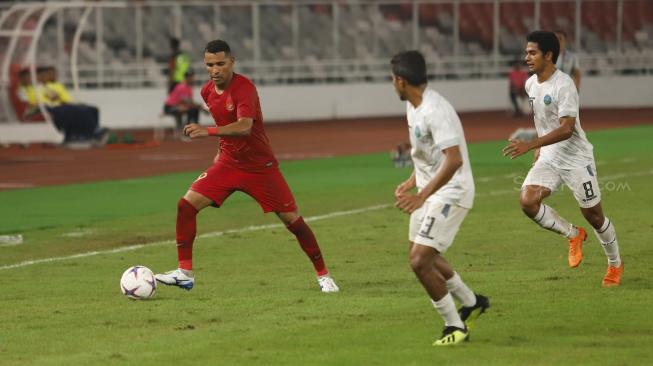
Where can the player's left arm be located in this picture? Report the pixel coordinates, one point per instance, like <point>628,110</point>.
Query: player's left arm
<point>577,78</point>
<point>453,160</point>
<point>576,74</point>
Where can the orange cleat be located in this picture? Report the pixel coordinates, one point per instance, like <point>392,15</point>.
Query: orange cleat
<point>576,248</point>
<point>613,276</point>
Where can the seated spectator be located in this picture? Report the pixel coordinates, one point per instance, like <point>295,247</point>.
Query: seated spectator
<point>567,61</point>
<point>180,103</point>
<point>28,110</point>
<point>78,122</point>
<point>517,77</point>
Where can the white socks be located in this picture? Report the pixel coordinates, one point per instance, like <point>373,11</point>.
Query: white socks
<point>447,309</point>
<point>608,238</point>
<point>549,219</point>
<point>460,291</point>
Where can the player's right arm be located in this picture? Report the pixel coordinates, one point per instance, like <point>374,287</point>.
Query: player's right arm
<point>242,127</point>
<point>517,148</point>
<point>245,97</point>
<point>406,185</point>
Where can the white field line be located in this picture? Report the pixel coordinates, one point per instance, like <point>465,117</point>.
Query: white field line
<point>206,235</point>
<point>272,226</point>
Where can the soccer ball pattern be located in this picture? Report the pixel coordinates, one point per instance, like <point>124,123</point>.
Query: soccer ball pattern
<point>138,283</point>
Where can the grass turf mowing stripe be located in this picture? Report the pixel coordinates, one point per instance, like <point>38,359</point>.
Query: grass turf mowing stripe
<point>271,226</point>
<point>206,235</point>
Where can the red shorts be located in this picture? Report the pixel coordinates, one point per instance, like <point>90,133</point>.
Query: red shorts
<point>267,187</point>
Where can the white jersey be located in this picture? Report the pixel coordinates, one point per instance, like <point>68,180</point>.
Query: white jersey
<point>555,98</point>
<point>567,62</point>
<point>434,126</point>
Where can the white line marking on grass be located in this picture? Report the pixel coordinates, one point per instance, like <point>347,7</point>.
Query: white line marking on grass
<point>291,156</point>
<point>78,233</point>
<point>15,185</point>
<point>206,235</point>
<point>168,157</point>
<point>627,175</point>
<point>272,226</point>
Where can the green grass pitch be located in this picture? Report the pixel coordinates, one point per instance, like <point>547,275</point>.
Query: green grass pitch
<point>256,301</point>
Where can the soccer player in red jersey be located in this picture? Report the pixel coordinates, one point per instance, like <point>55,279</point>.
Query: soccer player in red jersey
<point>245,162</point>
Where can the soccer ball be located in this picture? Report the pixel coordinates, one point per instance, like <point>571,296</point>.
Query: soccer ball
<point>138,283</point>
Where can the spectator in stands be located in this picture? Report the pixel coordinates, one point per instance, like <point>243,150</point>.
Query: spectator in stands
<point>78,122</point>
<point>180,103</point>
<point>567,60</point>
<point>178,64</point>
<point>517,77</point>
<point>27,96</point>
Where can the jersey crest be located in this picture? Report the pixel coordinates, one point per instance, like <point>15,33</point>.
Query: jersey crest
<point>547,99</point>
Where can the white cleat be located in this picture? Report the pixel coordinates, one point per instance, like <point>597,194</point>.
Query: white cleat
<point>327,284</point>
<point>176,278</point>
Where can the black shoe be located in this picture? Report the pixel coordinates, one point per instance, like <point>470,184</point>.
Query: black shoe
<point>451,336</point>
<point>469,314</point>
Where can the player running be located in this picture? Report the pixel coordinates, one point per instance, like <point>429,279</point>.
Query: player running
<point>245,162</point>
<point>445,193</point>
<point>563,155</point>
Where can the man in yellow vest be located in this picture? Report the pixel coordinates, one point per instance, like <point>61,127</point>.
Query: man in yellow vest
<point>79,122</point>
<point>27,96</point>
<point>178,65</point>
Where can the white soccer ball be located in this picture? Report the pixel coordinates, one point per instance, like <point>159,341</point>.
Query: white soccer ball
<point>138,283</point>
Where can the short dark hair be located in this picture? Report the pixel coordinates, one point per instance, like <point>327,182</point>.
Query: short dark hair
<point>174,43</point>
<point>217,46</point>
<point>546,42</point>
<point>410,66</point>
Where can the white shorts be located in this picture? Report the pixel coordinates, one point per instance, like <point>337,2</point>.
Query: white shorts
<point>583,182</point>
<point>435,225</point>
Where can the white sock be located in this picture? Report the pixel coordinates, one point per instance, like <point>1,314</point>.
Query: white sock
<point>460,291</point>
<point>549,219</point>
<point>608,238</point>
<point>447,309</point>
<point>187,272</point>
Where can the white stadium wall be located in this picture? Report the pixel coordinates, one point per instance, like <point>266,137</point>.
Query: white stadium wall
<point>135,108</point>
<point>141,108</point>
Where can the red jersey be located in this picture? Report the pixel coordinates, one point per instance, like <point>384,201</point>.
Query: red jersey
<point>517,79</point>
<point>239,100</point>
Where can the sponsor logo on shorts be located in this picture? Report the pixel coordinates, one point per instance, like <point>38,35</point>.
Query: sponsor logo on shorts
<point>588,199</point>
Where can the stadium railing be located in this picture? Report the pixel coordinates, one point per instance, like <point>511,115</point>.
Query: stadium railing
<point>116,44</point>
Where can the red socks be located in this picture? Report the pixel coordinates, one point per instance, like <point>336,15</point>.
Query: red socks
<point>186,228</point>
<point>309,245</point>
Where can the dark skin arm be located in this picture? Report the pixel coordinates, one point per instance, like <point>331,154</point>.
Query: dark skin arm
<point>576,78</point>
<point>517,148</point>
<point>242,127</point>
<point>409,202</point>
